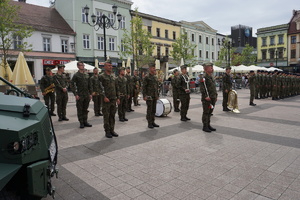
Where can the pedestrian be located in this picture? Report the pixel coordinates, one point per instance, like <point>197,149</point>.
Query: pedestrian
<point>183,86</point>
<point>82,91</point>
<point>175,92</point>
<point>48,87</point>
<point>209,96</point>
<point>151,94</point>
<point>227,87</point>
<point>137,87</point>
<point>110,100</point>
<point>61,89</point>
<point>96,88</point>
<point>252,85</point>
<point>123,93</point>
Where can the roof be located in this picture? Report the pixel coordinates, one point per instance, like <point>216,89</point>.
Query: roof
<point>42,19</point>
<point>293,23</point>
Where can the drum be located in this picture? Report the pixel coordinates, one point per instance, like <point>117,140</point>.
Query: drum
<point>163,107</point>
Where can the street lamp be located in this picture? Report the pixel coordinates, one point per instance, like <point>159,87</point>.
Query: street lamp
<point>104,22</point>
<point>229,47</point>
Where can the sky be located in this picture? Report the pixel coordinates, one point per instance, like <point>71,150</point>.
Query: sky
<point>218,14</point>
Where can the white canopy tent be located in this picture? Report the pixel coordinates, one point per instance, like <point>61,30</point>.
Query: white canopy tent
<point>271,69</point>
<point>71,67</point>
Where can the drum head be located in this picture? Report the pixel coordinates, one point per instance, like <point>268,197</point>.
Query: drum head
<point>159,108</point>
<point>163,107</point>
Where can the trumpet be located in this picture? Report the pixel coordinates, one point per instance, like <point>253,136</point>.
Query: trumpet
<point>50,88</point>
<point>233,101</point>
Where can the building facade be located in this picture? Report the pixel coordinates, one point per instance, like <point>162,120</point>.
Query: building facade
<point>272,46</point>
<point>294,42</point>
<point>90,40</point>
<point>242,35</point>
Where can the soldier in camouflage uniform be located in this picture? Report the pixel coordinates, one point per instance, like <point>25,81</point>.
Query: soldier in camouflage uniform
<point>110,100</point>
<point>258,85</point>
<point>61,85</point>
<point>176,100</point>
<point>123,93</point>
<point>82,91</point>
<point>227,86</point>
<point>96,88</point>
<point>151,95</point>
<point>137,87</point>
<point>47,81</point>
<point>274,86</point>
<point>252,80</point>
<point>183,86</point>
<point>209,96</point>
<point>130,89</point>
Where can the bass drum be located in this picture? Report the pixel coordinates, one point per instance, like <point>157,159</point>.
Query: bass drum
<point>163,107</point>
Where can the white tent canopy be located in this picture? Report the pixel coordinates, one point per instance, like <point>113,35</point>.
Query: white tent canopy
<point>199,68</point>
<point>71,67</point>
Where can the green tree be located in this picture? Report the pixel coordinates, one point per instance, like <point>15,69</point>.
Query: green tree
<point>247,57</point>
<point>183,49</point>
<point>11,30</point>
<point>227,57</point>
<point>136,42</point>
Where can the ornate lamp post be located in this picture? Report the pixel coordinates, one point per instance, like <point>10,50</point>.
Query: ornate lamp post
<point>104,23</point>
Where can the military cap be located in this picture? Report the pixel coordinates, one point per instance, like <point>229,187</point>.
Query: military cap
<point>127,67</point>
<point>251,71</point>
<point>183,67</point>
<point>175,70</point>
<point>258,70</point>
<point>48,69</point>
<point>108,61</point>
<point>275,70</point>
<point>60,66</point>
<point>151,65</point>
<point>228,68</point>
<point>122,68</point>
<point>208,64</point>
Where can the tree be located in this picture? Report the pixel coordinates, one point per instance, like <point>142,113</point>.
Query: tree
<point>136,42</point>
<point>247,57</point>
<point>227,57</point>
<point>11,31</point>
<point>183,49</point>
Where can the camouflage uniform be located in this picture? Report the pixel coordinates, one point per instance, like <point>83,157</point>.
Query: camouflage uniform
<point>137,88</point>
<point>227,85</point>
<point>212,91</point>
<point>274,87</point>
<point>96,88</point>
<point>123,92</point>
<point>60,81</point>
<point>183,84</point>
<point>46,81</point>
<point>80,86</point>
<point>130,91</point>
<point>175,92</point>
<point>258,85</point>
<point>150,91</point>
<point>110,91</point>
<point>252,86</point>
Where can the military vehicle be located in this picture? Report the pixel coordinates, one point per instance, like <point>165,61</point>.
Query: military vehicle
<point>28,146</point>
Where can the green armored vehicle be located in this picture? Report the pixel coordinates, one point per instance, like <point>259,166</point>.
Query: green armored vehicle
<point>28,147</point>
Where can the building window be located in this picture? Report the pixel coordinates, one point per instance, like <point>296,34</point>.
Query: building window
<point>280,39</point>
<point>193,37</point>
<point>111,17</point>
<point>212,55</point>
<point>123,22</point>
<point>293,53</point>
<point>158,32</point>
<point>84,17</point>
<point>200,39</point>
<point>86,41</point>
<point>166,34</point>
<point>264,55</point>
<point>293,39</point>
<point>158,51</point>
<point>212,41</point>
<point>280,53</point>
<point>174,35</point>
<point>98,14</point>
<point>47,44</point>
<point>218,54</point>
<point>219,42</point>
<point>272,40</point>
<point>167,51</point>
<point>207,54</point>
<point>200,53</point>
<point>272,54</point>
<point>150,29</point>
<point>207,41</point>
<point>122,46</point>
<point>111,44</point>
<point>100,42</point>
<point>17,42</point>
<point>64,46</point>
<point>264,41</point>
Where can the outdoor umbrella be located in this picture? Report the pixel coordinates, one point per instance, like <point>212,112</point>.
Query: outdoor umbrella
<point>5,71</point>
<point>21,74</point>
<point>72,68</point>
<point>157,64</point>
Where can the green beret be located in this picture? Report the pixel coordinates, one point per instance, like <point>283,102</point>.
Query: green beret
<point>122,68</point>
<point>48,69</point>
<point>183,67</point>
<point>228,68</point>
<point>208,64</point>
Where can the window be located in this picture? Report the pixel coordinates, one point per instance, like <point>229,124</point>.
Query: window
<point>140,49</point>
<point>122,46</point>
<point>207,54</point>
<point>158,32</point>
<point>111,44</point>
<point>280,53</point>
<point>84,17</point>
<point>98,14</point>
<point>200,39</point>
<point>272,40</point>
<point>166,34</point>
<point>212,41</point>
<point>158,51</point>
<point>150,29</point>
<point>122,22</point>
<point>212,55</point>
<point>280,39</point>
<point>86,41</point>
<point>174,35</point>
<point>100,42</point>
<point>111,17</point>
<point>47,44</point>
<point>264,55</point>
<point>200,53</point>
<point>219,42</point>
<point>219,54</point>
<point>293,53</point>
<point>272,54</point>
<point>64,46</point>
<point>193,37</point>
<point>264,41</point>
<point>207,40</point>
<point>17,42</point>
<point>167,51</point>
<point>293,39</point>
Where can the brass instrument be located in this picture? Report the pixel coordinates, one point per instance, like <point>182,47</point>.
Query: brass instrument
<point>233,101</point>
<point>50,88</point>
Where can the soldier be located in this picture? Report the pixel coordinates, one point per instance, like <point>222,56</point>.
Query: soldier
<point>183,86</point>
<point>81,89</point>
<point>61,85</point>
<point>176,100</point>
<point>96,91</point>
<point>151,95</point>
<point>274,86</point>
<point>252,87</point>
<point>123,93</point>
<point>110,99</point>
<point>137,88</point>
<point>227,86</point>
<point>47,88</point>
<point>258,85</point>
<point>130,89</point>
<point>209,96</point>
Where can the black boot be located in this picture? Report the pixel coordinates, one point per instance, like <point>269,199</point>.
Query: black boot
<point>155,125</point>
<point>206,129</point>
<point>211,128</point>
<point>86,124</point>
<point>81,125</point>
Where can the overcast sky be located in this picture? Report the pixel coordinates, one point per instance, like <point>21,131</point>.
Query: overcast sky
<point>218,14</point>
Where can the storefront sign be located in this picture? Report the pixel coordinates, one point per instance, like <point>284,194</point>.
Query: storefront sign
<point>55,62</point>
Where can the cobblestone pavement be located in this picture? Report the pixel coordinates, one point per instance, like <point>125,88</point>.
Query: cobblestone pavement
<point>252,155</point>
